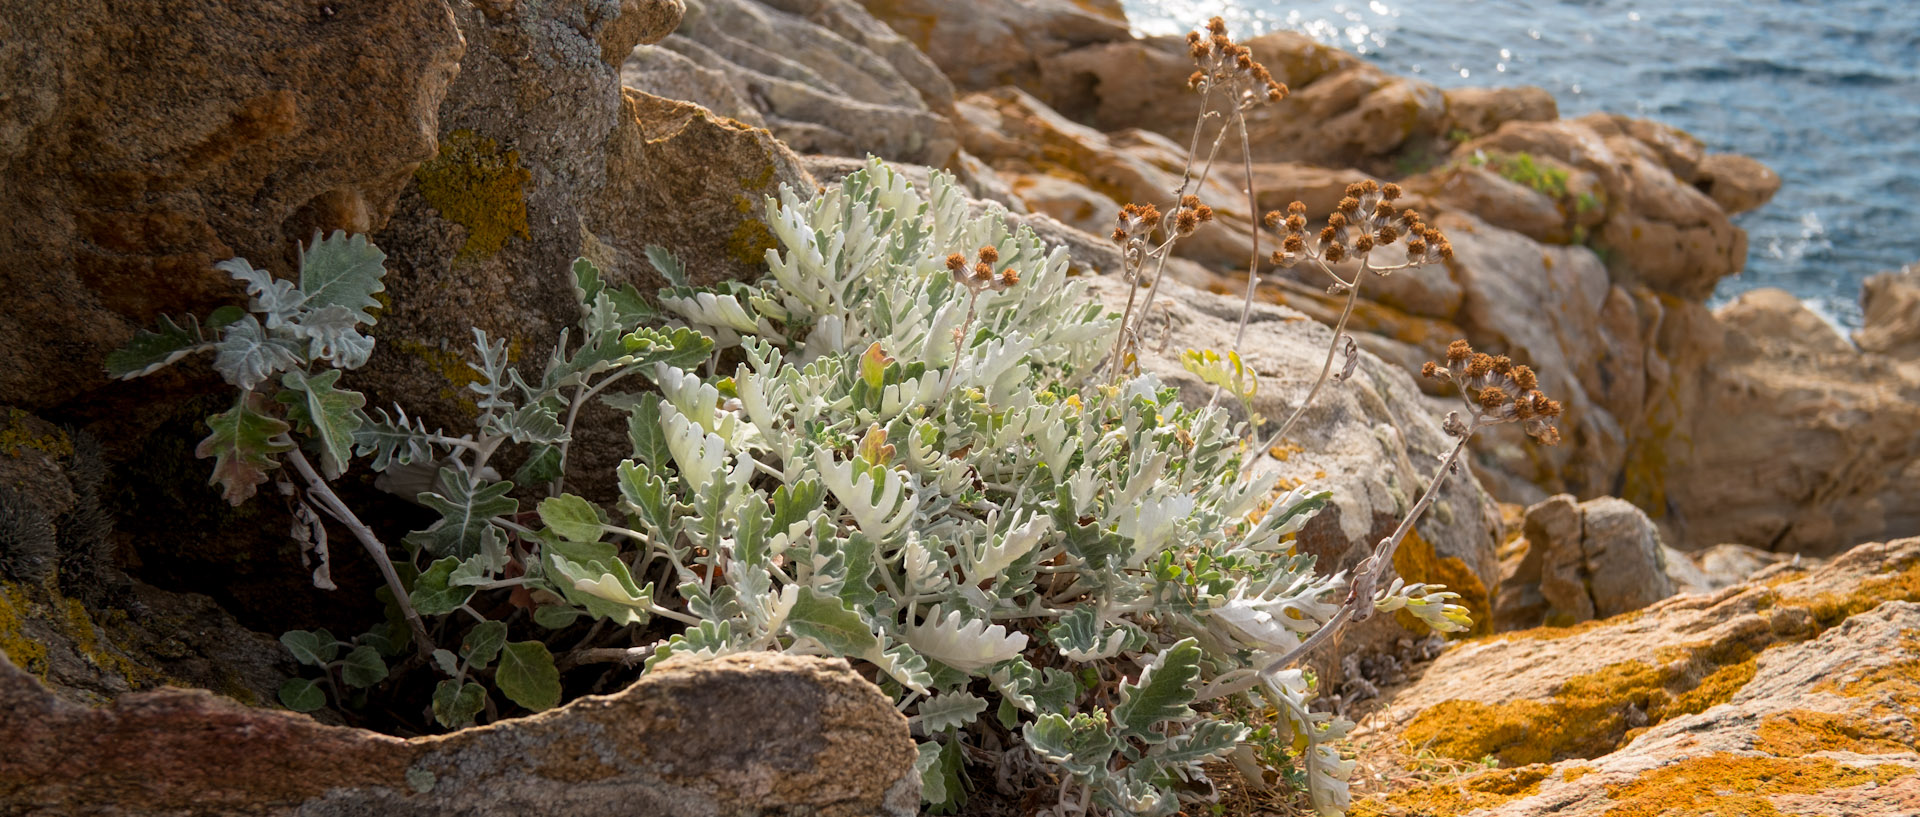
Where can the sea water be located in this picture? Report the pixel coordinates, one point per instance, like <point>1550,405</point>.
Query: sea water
<point>1826,93</point>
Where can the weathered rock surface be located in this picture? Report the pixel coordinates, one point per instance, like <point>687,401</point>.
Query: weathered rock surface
<point>144,141</point>
<point>1372,440</point>
<point>1723,566</point>
<point>1891,302</point>
<point>1578,561</point>
<point>746,734</point>
<point>1791,694</point>
<point>1797,443</point>
<point>990,43</point>
<point>824,75</point>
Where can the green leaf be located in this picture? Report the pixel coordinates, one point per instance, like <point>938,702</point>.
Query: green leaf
<point>671,268</point>
<point>555,616</point>
<point>586,280</point>
<point>447,662</point>
<point>465,511</point>
<point>330,415</point>
<point>1203,741</point>
<point>224,316</point>
<point>151,351</point>
<point>827,620</point>
<point>302,695</point>
<point>390,441</point>
<point>483,643</point>
<point>242,446</point>
<point>433,593</point>
<point>247,355</point>
<point>312,648</point>
<point>573,518</point>
<point>681,348</point>
<point>1165,688</point>
<point>541,468</point>
<point>363,667</point>
<point>602,586</point>
<point>455,704</point>
<point>649,439</point>
<point>527,675</point>
<point>647,495</point>
<point>343,271</point>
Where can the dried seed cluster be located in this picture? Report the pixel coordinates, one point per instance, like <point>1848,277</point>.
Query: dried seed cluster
<point>1365,222</point>
<point>1137,222</point>
<point>980,277</point>
<point>1498,390</point>
<point>1225,63</point>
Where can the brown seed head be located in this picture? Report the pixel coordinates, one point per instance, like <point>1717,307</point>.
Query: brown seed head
<point>1217,27</point>
<point>1295,243</point>
<point>1245,61</point>
<point>1363,243</point>
<point>1273,219</point>
<point>1502,364</point>
<point>1296,223</point>
<point>1276,91</point>
<point>1492,398</point>
<point>1479,364</point>
<point>1369,186</point>
<point>1337,219</point>
<point>1336,253</point>
<point>1430,369</point>
<point>1328,235</point>
<point>1355,189</point>
<point>1119,237</point>
<point>1387,234</point>
<point>1189,201</point>
<point>1525,378</point>
<point>1008,278</point>
<point>983,271</point>
<point>1446,250</point>
<point>989,255</point>
<point>956,262</point>
<point>1410,217</point>
<point>1204,212</point>
<point>1390,191</point>
<point>1298,208</point>
<point>1458,351</point>
<point>1186,222</point>
<point>1194,79</point>
<point>1349,205</point>
<point>1543,406</point>
<point>1383,210</point>
<point>1416,248</point>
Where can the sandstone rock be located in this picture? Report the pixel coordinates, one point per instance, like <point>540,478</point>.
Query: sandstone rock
<point>1891,302</point>
<point>1736,183</point>
<point>1579,561</point>
<point>1793,694</point>
<point>1723,566</point>
<point>144,141</point>
<point>840,85</point>
<point>1500,202</point>
<point>1479,111</point>
<point>1371,440</point>
<point>1074,204</point>
<point>1795,443</point>
<point>819,740</point>
<point>991,43</point>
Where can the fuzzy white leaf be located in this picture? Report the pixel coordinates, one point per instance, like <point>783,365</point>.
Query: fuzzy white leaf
<point>965,645</point>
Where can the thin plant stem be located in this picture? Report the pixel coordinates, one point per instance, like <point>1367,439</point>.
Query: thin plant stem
<point>339,511</point>
<point>1326,369</point>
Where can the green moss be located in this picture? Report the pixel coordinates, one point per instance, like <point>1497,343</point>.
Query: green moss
<point>1730,785</point>
<point>477,185</point>
<point>1522,169</point>
<point>1446,799</point>
<point>17,438</point>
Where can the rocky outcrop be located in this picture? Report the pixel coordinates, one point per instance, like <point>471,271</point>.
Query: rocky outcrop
<point>1577,561</point>
<point>843,83</point>
<point>1790,694</point>
<point>144,141</point>
<point>1372,440</point>
<point>1891,303</point>
<point>756,733</point>
<point>1795,441</point>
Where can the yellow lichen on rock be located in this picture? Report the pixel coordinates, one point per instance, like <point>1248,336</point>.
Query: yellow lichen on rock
<point>1445,799</point>
<point>1416,561</point>
<point>1732,784</point>
<point>1801,732</point>
<point>479,186</point>
<point>25,653</point>
<point>17,437</point>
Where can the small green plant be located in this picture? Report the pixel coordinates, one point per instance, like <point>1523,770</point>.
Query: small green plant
<point>1524,170</point>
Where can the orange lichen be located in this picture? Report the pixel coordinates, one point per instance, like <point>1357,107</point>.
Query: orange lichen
<point>1733,785</point>
<point>1831,608</point>
<point>1575,773</point>
<point>1416,561</point>
<point>1484,790</point>
<point>1800,732</point>
<point>1588,715</point>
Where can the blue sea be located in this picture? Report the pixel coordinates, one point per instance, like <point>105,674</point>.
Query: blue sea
<point>1826,93</point>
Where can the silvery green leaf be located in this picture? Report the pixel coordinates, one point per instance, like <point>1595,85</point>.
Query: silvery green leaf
<point>331,336</point>
<point>967,645</point>
<point>312,648</point>
<point>303,695</point>
<point>527,675</point>
<point>669,265</point>
<point>275,300</point>
<point>879,498</point>
<point>541,468</point>
<point>243,443</point>
<point>343,271</point>
<point>1080,744</point>
<point>827,620</point>
<point>648,436</point>
<point>1204,740</point>
<point>532,423</point>
<point>392,440</point>
<point>492,384</point>
<point>247,356</point>
<point>903,665</point>
<point>949,710</point>
<point>555,616</point>
<point>1162,693</point>
<point>680,348</point>
<point>466,509</point>
<point>1081,636</point>
<point>151,351</point>
<point>328,415</point>
<point>478,570</point>
<point>363,667</point>
<point>448,663</point>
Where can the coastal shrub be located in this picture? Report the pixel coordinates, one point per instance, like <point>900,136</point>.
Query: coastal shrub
<point>916,444</point>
